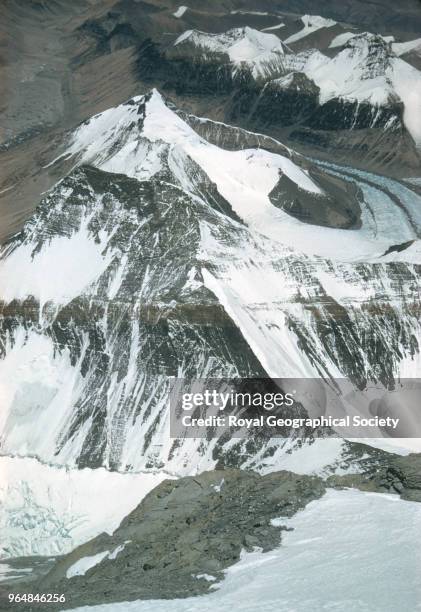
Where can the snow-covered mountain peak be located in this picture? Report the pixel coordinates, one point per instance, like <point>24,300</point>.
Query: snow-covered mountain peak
<point>372,49</point>
<point>145,136</point>
<point>367,70</point>
<point>240,44</point>
<point>131,137</point>
<point>359,72</point>
<point>242,47</point>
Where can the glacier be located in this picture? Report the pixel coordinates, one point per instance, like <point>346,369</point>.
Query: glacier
<point>49,510</point>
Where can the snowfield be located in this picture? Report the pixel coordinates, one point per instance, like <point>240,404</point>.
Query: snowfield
<point>60,272</point>
<point>348,552</point>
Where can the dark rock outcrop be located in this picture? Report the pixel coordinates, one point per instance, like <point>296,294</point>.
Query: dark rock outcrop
<point>388,474</point>
<point>182,532</point>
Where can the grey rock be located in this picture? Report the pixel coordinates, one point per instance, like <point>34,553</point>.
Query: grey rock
<point>182,529</point>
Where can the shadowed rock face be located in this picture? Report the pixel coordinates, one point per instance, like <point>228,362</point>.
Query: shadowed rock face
<point>398,475</point>
<point>283,102</point>
<point>339,208</point>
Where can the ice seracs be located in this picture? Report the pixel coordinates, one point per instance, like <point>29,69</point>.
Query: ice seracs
<point>47,510</point>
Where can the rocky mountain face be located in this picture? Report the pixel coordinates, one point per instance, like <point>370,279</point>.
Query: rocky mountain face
<point>163,255</point>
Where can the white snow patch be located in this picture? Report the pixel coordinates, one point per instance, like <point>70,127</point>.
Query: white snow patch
<point>58,272</point>
<point>312,23</point>
<point>218,487</point>
<point>341,39</point>
<point>260,13</point>
<point>180,11</point>
<point>207,577</point>
<point>275,27</point>
<point>86,563</point>
<point>401,48</point>
<point>114,554</point>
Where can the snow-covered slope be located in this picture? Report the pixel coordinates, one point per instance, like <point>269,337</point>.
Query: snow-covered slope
<point>339,553</point>
<point>359,72</point>
<point>367,71</point>
<point>401,48</point>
